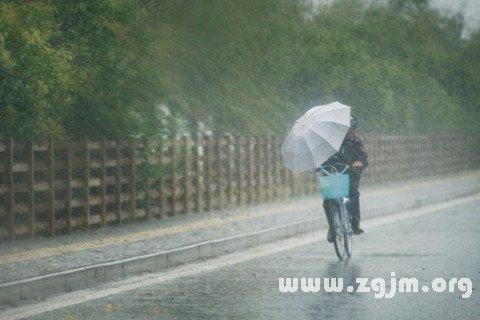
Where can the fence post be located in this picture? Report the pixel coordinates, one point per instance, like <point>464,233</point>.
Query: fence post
<point>238,170</point>
<point>68,186</point>
<point>248,155</point>
<point>198,175</point>
<point>162,201</point>
<point>466,153</point>
<point>87,185</point>
<point>132,179</point>
<point>51,186</point>
<point>146,178</point>
<point>275,182</point>
<point>229,171</point>
<point>218,172</point>
<point>173,177</point>
<point>31,187</point>
<point>284,176</point>
<point>10,203</point>
<point>208,173</point>
<point>186,174</point>
<point>306,183</point>
<point>372,171</point>
<point>103,183</point>
<point>282,172</point>
<point>293,178</point>
<point>258,170</point>
<point>118,180</point>
<point>268,167</point>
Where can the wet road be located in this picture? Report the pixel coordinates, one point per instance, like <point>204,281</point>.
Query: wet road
<point>442,244</point>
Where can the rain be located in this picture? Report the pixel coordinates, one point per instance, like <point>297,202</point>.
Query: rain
<point>255,159</point>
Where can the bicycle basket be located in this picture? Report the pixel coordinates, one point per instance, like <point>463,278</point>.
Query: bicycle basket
<point>334,186</point>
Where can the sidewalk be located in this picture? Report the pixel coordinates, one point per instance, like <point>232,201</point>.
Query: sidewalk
<point>36,268</point>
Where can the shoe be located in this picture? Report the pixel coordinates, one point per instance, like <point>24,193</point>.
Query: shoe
<point>330,235</point>
<point>357,230</point>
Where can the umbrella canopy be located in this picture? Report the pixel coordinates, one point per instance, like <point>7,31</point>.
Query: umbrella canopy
<point>315,137</point>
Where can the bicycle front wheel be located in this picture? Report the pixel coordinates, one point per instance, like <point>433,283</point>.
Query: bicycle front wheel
<point>347,229</point>
<point>339,241</point>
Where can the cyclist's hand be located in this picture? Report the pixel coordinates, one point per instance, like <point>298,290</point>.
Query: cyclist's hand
<point>358,164</point>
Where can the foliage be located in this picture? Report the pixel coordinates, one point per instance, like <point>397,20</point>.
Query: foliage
<point>80,68</point>
<point>119,68</point>
<point>35,77</point>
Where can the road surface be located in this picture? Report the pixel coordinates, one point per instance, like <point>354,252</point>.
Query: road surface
<point>426,244</point>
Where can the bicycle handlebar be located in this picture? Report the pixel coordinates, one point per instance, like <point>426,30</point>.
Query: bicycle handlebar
<point>334,169</point>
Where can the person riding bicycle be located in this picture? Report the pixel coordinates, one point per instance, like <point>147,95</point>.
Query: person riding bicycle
<point>351,153</point>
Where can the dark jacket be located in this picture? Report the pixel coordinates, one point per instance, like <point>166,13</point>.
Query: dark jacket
<point>350,151</point>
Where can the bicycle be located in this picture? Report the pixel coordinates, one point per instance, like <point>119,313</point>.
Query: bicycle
<point>334,187</point>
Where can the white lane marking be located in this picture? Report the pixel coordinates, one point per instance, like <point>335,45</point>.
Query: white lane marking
<point>81,296</point>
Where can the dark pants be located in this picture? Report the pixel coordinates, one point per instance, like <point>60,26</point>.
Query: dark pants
<point>353,206</point>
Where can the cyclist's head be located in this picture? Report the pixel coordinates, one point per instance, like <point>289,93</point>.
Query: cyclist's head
<point>353,122</point>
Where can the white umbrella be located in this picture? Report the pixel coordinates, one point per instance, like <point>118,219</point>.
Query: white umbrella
<point>316,136</point>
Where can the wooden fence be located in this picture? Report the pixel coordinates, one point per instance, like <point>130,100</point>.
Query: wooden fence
<point>54,187</point>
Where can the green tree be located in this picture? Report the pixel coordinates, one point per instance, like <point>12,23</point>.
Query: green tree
<point>116,89</point>
<point>35,76</point>
<point>122,68</point>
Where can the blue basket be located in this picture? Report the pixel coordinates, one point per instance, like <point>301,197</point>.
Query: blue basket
<point>334,186</point>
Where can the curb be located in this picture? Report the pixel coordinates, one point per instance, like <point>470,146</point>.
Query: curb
<point>41,287</point>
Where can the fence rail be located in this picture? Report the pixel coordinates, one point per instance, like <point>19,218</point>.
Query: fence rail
<point>53,187</point>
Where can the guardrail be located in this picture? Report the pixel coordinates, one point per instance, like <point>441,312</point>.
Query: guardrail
<point>53,187</point>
